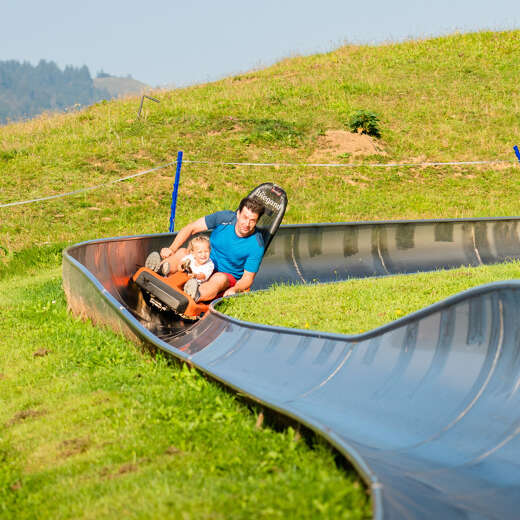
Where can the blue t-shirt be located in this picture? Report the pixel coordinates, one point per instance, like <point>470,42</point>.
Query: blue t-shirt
<point>230,253</point>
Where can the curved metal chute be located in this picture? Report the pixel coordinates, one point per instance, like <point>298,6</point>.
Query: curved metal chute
<point>426,408</point>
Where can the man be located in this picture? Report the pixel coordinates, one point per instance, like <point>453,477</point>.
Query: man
<point>237,248</point>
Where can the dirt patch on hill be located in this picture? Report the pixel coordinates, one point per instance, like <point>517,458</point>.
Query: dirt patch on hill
<point>342,144</point>
<point>122,470</point>
<point>23,415</point>
<point>70,447</point>
<point>42,352</point>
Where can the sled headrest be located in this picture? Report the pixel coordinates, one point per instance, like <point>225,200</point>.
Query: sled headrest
<point>274,200</point>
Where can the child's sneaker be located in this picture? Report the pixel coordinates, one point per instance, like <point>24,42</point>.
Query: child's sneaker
<point>165,268</point>
<point>191,288</point>
<point>153,261</point>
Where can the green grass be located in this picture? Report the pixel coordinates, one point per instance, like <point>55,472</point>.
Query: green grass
<point>93,428</point>
<point>358,306</point>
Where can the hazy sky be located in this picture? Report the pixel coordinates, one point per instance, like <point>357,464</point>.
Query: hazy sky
<point>172,42</point>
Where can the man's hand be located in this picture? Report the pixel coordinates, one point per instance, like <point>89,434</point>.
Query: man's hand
<point>230,291</point>
<point>242,285</point>
<point>166,252</point>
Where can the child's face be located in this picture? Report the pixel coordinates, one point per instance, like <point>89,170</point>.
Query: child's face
<point>200,252</point>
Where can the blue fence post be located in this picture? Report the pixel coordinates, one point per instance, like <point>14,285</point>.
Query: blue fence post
<point>175,191</point>
<point>517,152</point>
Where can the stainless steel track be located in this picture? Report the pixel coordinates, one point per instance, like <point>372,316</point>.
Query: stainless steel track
<point>427,408</point>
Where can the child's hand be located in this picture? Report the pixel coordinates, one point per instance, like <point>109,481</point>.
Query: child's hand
<point>185,266</point>
<point>200,276</point>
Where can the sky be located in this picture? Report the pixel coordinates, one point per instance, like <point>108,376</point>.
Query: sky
<point>173,43</point>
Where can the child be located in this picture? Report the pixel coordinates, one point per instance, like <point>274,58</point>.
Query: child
<point>197,264</point>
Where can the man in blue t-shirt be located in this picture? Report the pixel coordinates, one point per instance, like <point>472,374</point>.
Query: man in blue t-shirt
<point>237,249</point>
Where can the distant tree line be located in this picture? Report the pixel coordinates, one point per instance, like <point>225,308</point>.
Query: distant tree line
<point>27,90</point>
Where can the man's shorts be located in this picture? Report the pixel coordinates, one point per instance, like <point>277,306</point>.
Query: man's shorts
<point>231,279</point>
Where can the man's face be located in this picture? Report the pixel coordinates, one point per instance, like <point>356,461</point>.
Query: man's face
<point>246,222</point>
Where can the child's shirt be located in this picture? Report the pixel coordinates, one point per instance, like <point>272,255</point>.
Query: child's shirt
<point>206,269</point>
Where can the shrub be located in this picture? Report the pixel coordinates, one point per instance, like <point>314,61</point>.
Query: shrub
<point>365,122</point>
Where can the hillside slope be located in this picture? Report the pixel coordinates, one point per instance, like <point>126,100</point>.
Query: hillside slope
<point>117,86</point>
<point>449,98</point>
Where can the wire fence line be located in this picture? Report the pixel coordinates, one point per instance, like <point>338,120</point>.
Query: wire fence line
<point>284,165</point>
<point>89,188</point>
<point>354,165</point>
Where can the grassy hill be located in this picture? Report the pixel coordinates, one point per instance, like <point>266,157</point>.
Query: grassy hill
<point>82,408</point>
<point>117,86</point>
<point>450,98</point>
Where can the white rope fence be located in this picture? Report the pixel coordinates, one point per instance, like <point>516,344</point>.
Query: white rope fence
<point>83,190</point>
<point>352,165</point>
<point>284,165</point>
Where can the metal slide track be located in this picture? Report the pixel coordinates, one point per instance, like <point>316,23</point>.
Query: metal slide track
<point>427,408</point>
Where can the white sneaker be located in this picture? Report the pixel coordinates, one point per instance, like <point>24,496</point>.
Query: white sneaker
<point>191,288</point>
<point>153,261</point>
<point>165,268</point>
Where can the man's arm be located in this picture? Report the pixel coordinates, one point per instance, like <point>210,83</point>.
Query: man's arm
<point>242,285</point>
<point>186,232</point>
